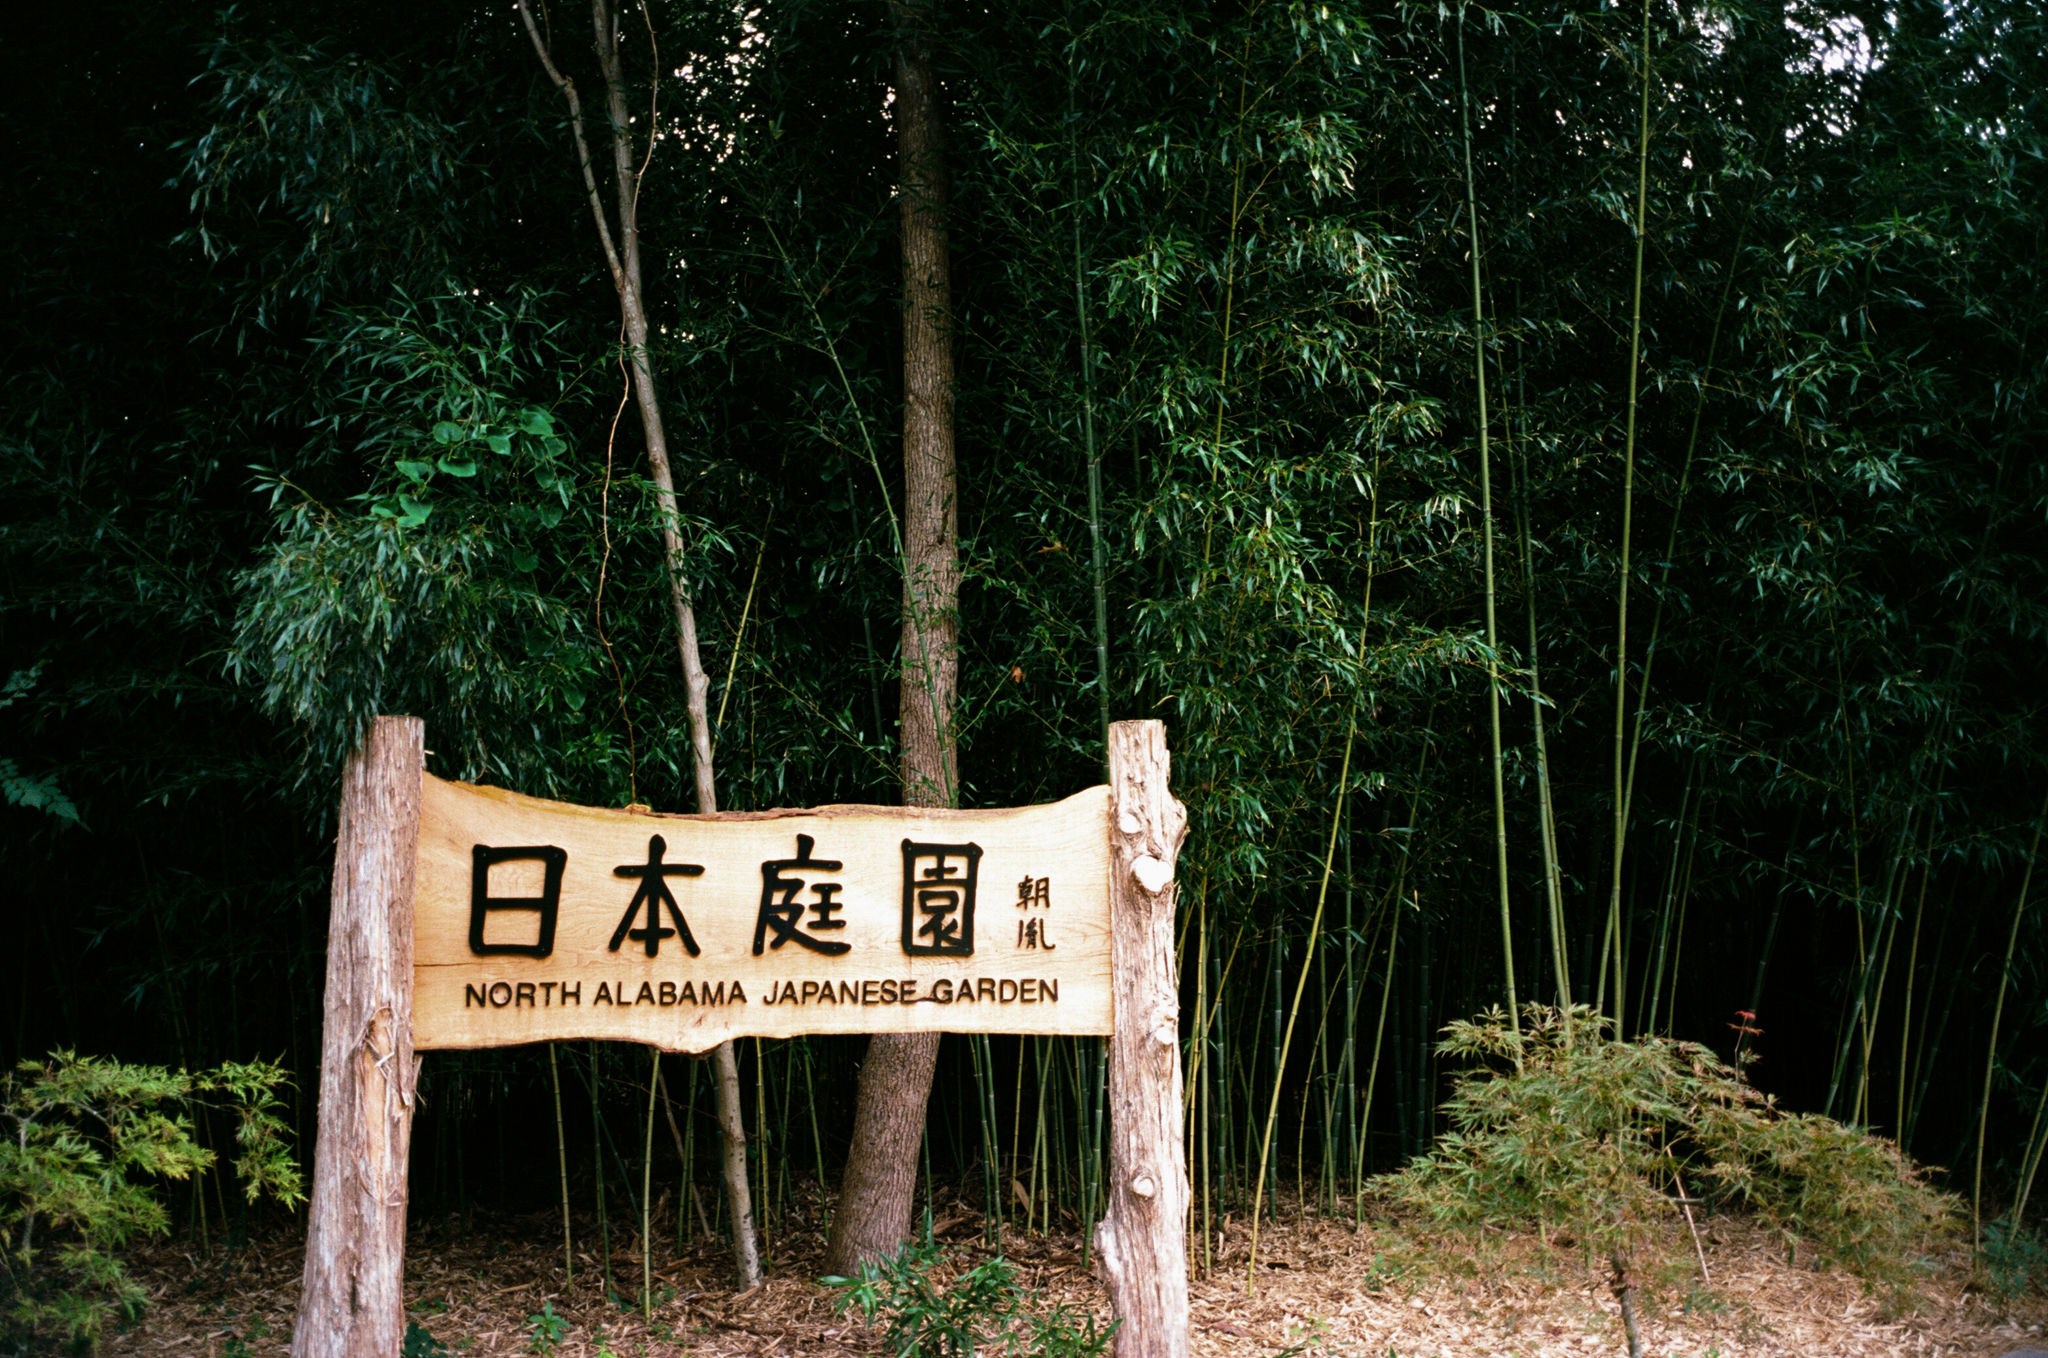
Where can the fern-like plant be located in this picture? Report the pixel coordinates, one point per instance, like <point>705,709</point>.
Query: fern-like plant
<point>80,1138</point>
<point>1596,1139</point>
<point>981,1311</point>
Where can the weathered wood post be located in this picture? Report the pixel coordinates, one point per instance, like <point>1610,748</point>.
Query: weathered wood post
<point>351,1302</point>
<point>1143,1235</point>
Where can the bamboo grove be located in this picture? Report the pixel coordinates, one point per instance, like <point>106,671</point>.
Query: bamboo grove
<point>1568,475</point>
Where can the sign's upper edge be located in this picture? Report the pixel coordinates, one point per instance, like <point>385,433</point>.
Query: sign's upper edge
<point>1099,792</point>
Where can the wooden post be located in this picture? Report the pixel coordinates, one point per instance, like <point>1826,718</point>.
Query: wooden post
<point>1143,1235</point>
<point>351,1303</point>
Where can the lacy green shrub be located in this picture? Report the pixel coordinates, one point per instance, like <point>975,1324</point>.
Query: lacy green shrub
<point>1594,1138</point>
<point>80,1141</point>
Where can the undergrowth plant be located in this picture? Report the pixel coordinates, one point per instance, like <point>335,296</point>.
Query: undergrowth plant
<point>979,1312</point>
<point>80,1137</point>
<point>2012,1262</point>
<point>1594,1140</point>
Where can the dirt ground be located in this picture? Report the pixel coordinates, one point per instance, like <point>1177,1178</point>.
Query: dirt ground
<point>1322,1291</point>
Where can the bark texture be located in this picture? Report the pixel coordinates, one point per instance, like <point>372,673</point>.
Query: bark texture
<point>622,258</point>
<point>876,1196</point>
<point>1143,1236</point>
<point>351,1302</point>
<point>931,515</point>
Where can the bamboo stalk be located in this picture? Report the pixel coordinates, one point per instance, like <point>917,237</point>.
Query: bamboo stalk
<point>1378,1036</point>
<point>1635,355</point>
<point>1500,805</point>
<point>685,1187</point>
<point>1930,1047</point>
<point>604,1223</point>
<point>2012,939</point>
<point>1280,1065</point>
<point>1553,876</point>
<point>1894,917</point>
<point>760,1145</point>
<point>1655,978</point>
<point>2030,1161</point>
<point>1097,560</point>
<point>1198,1082</point>
<point>647,1192</point>
<point>1678,952</point>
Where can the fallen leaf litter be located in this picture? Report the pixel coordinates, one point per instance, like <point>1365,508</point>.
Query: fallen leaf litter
<point>1322,1290</point>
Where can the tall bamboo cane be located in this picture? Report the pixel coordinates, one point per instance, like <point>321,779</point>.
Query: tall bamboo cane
<point>1628,492</point>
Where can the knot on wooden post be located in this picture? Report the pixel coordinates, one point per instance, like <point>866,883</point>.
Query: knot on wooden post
<point>1153,875</point>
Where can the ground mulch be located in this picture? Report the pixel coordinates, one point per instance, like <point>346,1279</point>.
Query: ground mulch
<point>1322,1290</point>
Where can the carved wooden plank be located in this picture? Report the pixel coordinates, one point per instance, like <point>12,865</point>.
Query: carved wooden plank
<point>352,1299</point>
<point>586,966</point>
<point>1143,1235</point>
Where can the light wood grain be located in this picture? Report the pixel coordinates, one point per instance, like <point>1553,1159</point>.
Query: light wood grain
<point>465,1000</point>
<point>1143,1235</point>
<point>352,1297</point>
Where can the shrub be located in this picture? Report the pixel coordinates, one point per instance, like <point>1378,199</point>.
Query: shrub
<point>979,1312</point>
<point>79,1138</point>
<point>1591,1137</point>
<point>2014,1263</point>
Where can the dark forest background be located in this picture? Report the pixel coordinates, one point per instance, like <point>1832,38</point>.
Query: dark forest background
<point>284,285</point>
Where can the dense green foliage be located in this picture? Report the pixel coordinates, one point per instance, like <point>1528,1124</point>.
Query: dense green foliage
<point>80,1141</point>
<point>310,413</point>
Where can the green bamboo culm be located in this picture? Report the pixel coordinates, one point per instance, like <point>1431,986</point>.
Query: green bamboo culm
<point>1628,494</point>
<point>562,1154</point>
<point>2030,1162</point>
<point>2019,911</point>
<point>647,1188</point>
<point>1500,805</point>
<point>604,1224</point>
<point>1315,930</point>
<point>1098,567</point>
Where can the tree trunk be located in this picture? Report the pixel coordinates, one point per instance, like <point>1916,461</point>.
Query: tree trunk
<point>1143,1236</point>
<point>622,257</point>
<point>352,1302</point>
<point>896,1078</point>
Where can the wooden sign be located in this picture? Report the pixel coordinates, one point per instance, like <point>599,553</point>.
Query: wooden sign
<point>468,917</point>
<point>536,920</point>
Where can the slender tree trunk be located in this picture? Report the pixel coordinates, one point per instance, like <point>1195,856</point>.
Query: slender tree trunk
<point>876,1196</point>
<point>622,258</point>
